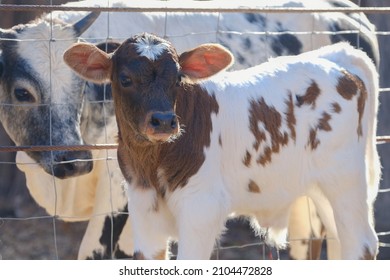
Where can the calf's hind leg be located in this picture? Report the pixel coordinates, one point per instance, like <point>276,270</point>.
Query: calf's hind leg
<point>348,198</point>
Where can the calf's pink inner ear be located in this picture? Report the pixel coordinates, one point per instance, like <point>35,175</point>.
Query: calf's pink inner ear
<point>89,62</point>
<point>205,61</point>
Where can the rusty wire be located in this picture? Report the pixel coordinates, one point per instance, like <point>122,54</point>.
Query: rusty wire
<point>47,148</point>
<point>382,139</point>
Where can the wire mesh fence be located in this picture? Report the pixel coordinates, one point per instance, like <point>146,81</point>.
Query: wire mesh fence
<point>31,233</point>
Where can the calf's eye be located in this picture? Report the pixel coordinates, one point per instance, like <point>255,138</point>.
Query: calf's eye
<point>23,95</point>
<point>125,81</point>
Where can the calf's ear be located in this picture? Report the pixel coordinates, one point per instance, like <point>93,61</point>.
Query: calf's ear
<point>89,62</point>
<point>205,61</point>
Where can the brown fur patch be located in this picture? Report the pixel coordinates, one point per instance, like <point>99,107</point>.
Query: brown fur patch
<point>272,120</point>
<point>336,107</point>
<point>265,157</point>
<point>310,97</point>
<point>348,86</point>
<point>290,116</point>
<point>247,159</point>
<point>253,187</point>
<point>255,116</point>
<point>194,109</point>
<point>313,141</point>
<point>323,124</point>
<point>138,256</point>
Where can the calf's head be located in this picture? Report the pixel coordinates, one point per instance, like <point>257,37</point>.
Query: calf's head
<point>147,76</point>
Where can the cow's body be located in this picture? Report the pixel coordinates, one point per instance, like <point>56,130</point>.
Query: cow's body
<point>248,142</point>
<point>243,33</point>
<point>26,69</point>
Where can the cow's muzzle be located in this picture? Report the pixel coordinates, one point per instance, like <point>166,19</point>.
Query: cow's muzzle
<point>71,164</point>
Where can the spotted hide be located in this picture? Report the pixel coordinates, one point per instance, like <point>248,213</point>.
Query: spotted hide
<point>196,149</point>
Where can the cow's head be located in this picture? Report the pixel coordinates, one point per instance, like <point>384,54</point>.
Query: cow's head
<point>40,98</point>
<point>146,75</point>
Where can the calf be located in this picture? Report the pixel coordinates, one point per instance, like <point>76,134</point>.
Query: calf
<point>196,149</point>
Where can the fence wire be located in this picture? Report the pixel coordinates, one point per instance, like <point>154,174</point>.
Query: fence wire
<point>223,246</point>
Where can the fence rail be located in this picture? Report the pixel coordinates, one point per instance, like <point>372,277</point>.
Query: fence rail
<point>207,7</point>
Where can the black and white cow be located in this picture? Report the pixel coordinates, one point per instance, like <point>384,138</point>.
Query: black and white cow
<point>55,107</point>
<point>196,149</point>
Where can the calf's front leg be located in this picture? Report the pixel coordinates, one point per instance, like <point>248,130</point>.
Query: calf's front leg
<point>200,216</point>
<point>152,224</point>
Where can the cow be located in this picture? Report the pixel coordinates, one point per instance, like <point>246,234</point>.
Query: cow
<point>96,197</point>
<point>195,149</point>
<point>33,76</point>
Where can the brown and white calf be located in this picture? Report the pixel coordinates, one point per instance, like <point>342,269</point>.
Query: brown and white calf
<point>195,149</point>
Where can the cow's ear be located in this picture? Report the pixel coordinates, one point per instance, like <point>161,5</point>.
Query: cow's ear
<point>89,62</point>
<point>205,61</point>
<point>109,46</point>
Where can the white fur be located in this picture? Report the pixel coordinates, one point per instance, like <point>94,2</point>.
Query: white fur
<point>149,49</point>
<point>37,49</point>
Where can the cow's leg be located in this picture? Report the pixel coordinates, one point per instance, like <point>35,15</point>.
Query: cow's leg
<point>347,194</point>
<point>305,230</point>
<point>152,224</point>
<point>325,212</point>
<point>108,223</point>
<point>125,244</point>
<point>100,240</point>
<point>200,216</point>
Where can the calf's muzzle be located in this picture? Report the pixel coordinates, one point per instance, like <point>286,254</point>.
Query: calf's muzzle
<point>161,126</point>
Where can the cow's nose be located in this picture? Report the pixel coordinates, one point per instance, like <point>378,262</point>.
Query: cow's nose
<point>164,122</point>
<point>71,164</point>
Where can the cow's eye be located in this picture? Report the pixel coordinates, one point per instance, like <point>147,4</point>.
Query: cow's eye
<point>125,81</point>
<point>23,95</point>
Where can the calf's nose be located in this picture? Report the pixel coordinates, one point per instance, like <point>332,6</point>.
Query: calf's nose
<point>163,122</point>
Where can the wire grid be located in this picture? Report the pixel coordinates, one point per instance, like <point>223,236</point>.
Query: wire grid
<point>258,244</point>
